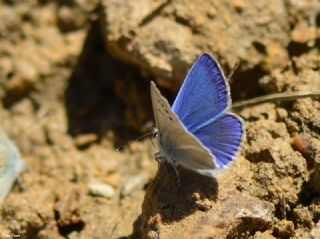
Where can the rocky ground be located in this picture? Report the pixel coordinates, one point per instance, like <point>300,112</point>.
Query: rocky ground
<point>74,79</point>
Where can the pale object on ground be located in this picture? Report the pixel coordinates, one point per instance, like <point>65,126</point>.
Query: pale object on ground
<point>11,165</point>
<point>101,190</point>
<point>132,184</point>
<point>315,231</point>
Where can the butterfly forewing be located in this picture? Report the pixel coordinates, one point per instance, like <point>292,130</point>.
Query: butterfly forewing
<point>175,142</point>
<point>202,105</point>
<point>204,94</point>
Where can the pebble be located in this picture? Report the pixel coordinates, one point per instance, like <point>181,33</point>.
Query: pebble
<point>284,229</point>
<point>239,5</point>
<point>303,144</point>
<point>85,140</point>
<point>315,231</point>
<point>303,34</point>
<point>132,184</point>
<point>101,190</point>
<point>113,179</point>
<point>68,209</point>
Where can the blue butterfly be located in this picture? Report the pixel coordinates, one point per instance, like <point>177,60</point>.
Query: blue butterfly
<point>198,132</point>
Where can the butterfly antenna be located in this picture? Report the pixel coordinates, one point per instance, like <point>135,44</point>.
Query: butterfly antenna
<point>233,70</point>
<point>151,140</point>
<point>121,148</point>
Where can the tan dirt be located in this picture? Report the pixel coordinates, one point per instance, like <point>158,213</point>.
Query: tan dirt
<point>74,87</point>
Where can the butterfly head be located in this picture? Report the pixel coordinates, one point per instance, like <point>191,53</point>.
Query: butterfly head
<point>155,133</point>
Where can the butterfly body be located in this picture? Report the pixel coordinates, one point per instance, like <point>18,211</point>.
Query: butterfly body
<point>198,132</point>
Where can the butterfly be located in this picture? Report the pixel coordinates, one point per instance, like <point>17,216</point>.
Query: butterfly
<point>11,165</point>
<point>199,132</point>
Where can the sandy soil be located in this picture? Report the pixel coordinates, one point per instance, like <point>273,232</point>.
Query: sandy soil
<point>74,79</point>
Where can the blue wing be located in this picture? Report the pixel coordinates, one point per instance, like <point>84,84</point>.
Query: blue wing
<point>204,94</point>
<point>222,137</point>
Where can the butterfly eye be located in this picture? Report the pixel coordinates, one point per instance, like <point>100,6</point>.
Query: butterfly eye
<point>155,132</point>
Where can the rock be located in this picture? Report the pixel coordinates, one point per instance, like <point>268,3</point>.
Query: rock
<point>315,207</point>
<point>271,185</point>
<point>84,140</point>
<point>284,229</point>
<point>179,212</point>
<point>315,231</point>
<point>132,184</point>
<point>67,210</point>
<point>67,21</point>
<point>263,235</point>
<point>113,179</point>
<point>23,218</point>
<point>6,233</point>
<point>313,185</point>
<point>269,180</point>
<point>303,16</point>
<point>303,216</point>
<point>275,57</point>
<point>40,53</point>
<point>303,144</point>
<point>165,37</point>
<point>101,190</point>
<point>303,34</point>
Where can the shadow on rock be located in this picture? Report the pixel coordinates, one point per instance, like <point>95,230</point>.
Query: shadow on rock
<point>168,202</point>
<point>196,208</point>
<point>103,90</point>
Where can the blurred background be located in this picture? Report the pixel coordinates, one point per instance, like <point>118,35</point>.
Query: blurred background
<point>74,86</point>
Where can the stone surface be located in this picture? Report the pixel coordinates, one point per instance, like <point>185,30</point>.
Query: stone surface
<point>200,207</point>
<point>63,78</point>
<point>276,172</point>
<point>164,37</point>
<point>101,190</point>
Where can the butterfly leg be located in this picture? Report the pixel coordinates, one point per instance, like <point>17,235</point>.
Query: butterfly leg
<point>177,174</point>
<point>161,158</point>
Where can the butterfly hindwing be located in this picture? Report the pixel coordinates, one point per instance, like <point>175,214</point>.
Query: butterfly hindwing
<point>223,138</point>
<point>204,95</point>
